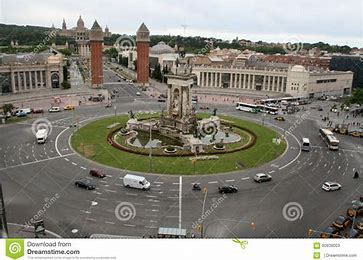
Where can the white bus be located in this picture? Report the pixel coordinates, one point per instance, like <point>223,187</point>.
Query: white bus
<point>329,138</point>
<point>247,107</point>
<point>268,110</point>
<point>305,144</point>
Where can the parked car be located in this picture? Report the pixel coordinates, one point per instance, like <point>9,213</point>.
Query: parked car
<point>280,118</point>
<point>86,184</point>
<point>108,105</point>
<point>359,226</point>
<point>54,109</point>
<point>356,209</point>
<point>21,114</point>
<point>262,177</point>
<point>37,110</point>
<point>330,232</point>
<point>68,107</point>
<point>23,111</point>
<point>356,133</point>
<point>227,189</point>
<point>203,107</point>
<point>342,222</point>
<point>97,173</point>
<point>331,186</point>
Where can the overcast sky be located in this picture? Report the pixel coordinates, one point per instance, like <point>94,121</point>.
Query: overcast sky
<point>332,21</point>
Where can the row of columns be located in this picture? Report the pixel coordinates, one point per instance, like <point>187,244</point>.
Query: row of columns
<point>244,81</point>
<point>22,81</point>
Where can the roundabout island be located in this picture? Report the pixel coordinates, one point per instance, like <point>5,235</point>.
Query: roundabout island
<point>178,141</point>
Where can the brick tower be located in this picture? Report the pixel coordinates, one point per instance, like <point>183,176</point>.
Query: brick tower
<point>143,42</point>
<point>96,40</point>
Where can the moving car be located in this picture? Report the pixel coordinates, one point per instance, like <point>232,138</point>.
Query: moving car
<point>68,107</point>
<point>86,184</point>
<point>97,173</point>
<point>330,232</point>
<point>331,186</point>
<point>138,93</point>
<point>262,177</point>
<point>41,136</point>
<point>342,222</point>
<point>108,105</point>
<point>54,109</point>
<point>280,118</point>
<point>136,182</point>
<point>227,189</point>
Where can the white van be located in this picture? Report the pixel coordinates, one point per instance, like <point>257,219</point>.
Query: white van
<point>305,144</point>
<point>41,135</point>
<point>23,111</point>
<point>136,182</point>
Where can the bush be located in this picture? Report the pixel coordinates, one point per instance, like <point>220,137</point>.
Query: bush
<point>66,85</point>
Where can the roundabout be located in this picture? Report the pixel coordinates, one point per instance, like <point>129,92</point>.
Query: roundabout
<point>105,141</point>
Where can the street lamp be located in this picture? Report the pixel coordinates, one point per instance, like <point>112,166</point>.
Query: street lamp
<point>3,223</point>
<point>150,150</point>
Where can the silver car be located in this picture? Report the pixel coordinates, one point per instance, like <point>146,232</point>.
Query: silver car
<point>331,186</point>
<point>262,177</point>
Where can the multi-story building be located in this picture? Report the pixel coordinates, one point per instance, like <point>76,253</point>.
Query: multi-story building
<point>80,34</point>
<point>30,72</point>
<point>349,63</point>
<point>294,80</point>
<point>312,62</point>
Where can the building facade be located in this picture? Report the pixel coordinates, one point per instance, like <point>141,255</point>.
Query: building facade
<point>26,73</point>
<point>349,63</point>
<point>143,43</point>
<point>80,34</point>
<point>293,81</point>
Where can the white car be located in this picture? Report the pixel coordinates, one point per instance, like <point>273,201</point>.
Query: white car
<point>331,186</point>
<point>138,93</point>
<point>54,109</point>
<point>262,177</point>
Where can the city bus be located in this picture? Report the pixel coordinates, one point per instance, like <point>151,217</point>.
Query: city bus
<point>305,144</point>
<point>329,138</point>
<point>268,110</point>
<point>247,107</point>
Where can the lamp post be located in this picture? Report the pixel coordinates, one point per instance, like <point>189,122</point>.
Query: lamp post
<point>3,223</point>
<point>150,150</point>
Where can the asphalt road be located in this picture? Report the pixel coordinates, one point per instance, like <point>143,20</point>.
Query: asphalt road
<point>33,174</point>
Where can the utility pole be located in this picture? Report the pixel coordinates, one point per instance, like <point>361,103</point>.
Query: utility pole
<point>205,190</point>
<point>3,223</point>
<point>150,142</point>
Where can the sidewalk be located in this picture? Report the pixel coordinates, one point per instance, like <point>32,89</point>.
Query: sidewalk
<point>21,231</point>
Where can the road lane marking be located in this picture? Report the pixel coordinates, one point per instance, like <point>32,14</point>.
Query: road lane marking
<point>83,168</point>
<point>91,219</point>
<point>211,182</point>
<point>151,196</point>
<point>131,194</point>
<point>113,191</point>
<point>245,178</point>
<point>129,225</point>
<point>74,163</point>
<point>229,180</point>
<point>111,223</point>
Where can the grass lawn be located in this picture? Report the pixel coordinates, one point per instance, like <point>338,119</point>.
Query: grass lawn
<point>91,141</point>
<point>15,119</point>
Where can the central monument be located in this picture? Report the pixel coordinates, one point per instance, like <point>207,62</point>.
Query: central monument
<point>179,116</point>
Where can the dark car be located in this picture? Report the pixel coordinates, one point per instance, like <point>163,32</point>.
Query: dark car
<point>330,232</point>
<point>86,184</point>
<point>342,222</point>
<point>97,173</point>
<point>227,189</point>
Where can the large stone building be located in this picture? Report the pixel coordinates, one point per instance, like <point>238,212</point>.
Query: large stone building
<point>30,72</point>
<point>293,81</point>
<point>80,34</point>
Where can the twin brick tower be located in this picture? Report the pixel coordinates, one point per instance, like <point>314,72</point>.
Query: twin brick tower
<point>142,44</point>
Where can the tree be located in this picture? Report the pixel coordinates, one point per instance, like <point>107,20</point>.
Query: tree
<point>8,108</point>
<point>157,72</point>
<point>357,97</point>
